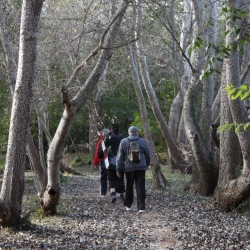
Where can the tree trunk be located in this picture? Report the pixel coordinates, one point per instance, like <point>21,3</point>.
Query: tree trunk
<point>176,123</point>
<point>207,172</point>
<point>40,171</point>
<point>209,83</point>
<point>40,137</point>
<point>230,153</point>
<point>38,168</point>
<point>20,115</point>
<point>207,176</point>
<point>93,128</point>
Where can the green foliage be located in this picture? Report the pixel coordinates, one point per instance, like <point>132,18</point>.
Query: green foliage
<point>29,181</point>
<point>234,13</point>
<point>78,160</point>
<point>119,105</point>
<point>198,43</point>
<point>236,127</point>
<point>243,92</point>
<point>63,179</point>
<point>226,127</point>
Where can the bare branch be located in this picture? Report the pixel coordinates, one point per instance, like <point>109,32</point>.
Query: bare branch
<point>95,51</point>
<point>122,44</point>
<point>161,60</point>
<point>177,42</point>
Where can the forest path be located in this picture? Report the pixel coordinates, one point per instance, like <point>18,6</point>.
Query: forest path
<point>87,221</point>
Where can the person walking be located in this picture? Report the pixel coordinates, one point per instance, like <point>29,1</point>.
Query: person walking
<point>135,171</point>
<point>99,163</point>
<point>112,142</point>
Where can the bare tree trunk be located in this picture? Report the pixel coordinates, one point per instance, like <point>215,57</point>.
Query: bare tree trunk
<point>93,128</point>
<point>20,115</point>
<point>230,153</point>
<point>176,122</point>
<point>38,168</point>
<point>40,172</point>
<point>209,83</point>
<point>40,137</point>
<point>207,176</point>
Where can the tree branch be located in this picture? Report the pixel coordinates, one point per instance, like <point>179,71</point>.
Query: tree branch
<point>65,97</point>
<point>95,51</point>
<point>121,44</point>
<point>177,42</point>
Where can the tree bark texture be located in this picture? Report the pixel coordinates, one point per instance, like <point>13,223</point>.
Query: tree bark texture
<point>230,153</point>
<point>207,175</point>
<point>209,83</point>
<point>11,193</point>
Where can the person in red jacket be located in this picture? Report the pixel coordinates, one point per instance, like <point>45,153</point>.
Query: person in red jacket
<point>99,163</point>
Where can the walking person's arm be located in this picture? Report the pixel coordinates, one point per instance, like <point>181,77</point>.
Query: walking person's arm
<point>120,158</point>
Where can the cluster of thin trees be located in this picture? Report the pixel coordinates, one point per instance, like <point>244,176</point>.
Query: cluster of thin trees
<point>199,46</point>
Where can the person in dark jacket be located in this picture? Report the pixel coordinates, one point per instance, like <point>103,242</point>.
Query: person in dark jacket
<point>134,171</point>
<point>112,142</point>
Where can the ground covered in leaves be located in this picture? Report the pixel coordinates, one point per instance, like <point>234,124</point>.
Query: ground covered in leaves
<point>173,220</point>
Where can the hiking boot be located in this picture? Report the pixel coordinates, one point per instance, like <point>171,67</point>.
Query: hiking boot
<point>113,197</point>
<point>142,211</point>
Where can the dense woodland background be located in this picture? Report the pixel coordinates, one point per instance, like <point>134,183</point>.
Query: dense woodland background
<point>179,70</point>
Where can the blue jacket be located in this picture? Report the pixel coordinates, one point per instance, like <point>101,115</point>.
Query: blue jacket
<point>122,161</point>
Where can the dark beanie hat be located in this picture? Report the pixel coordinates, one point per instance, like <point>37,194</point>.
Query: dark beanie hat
<point>115,126</point>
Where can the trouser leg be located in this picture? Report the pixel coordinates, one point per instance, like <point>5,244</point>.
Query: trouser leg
<point>104,181</point>
<point>121,186</point>
<point>112,178</point>
<point>140,189</point>
<point>129,197</point>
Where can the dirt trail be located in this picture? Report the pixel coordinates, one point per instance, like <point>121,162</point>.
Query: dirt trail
<point>87,221</point>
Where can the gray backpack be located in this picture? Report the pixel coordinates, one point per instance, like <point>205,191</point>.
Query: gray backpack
<point>134,151</point>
